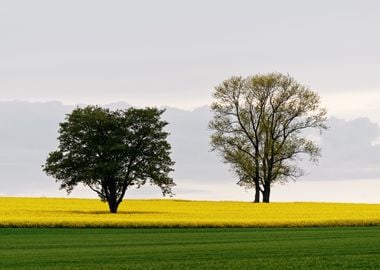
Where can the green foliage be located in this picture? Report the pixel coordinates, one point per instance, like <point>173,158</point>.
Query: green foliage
<point>110,151</point>
<point>311,248</point>
<point>258,128</point>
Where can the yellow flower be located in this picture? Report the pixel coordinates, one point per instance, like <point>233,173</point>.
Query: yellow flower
<point>59,212</point>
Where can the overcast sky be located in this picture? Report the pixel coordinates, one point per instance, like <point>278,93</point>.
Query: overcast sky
<point>174,53</point>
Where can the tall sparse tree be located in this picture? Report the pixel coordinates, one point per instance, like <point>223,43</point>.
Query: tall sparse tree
<point>259,125</point>
<point>111,151</point>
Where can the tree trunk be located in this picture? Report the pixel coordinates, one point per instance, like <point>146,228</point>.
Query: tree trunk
<point>111,192</point>
<point>113,205</point>
<point>257,196</point>
<point>266,193</point>
<point>114,196</point>
<point>257,192</point>
<point>112,199</point>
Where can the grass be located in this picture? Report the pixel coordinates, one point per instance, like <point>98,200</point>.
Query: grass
<point>82,213</point>
<point>226,248</point>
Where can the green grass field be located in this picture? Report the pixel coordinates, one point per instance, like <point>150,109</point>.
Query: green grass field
<point>302,248</point>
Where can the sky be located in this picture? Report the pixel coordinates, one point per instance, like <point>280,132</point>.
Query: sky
<point>173,53</point>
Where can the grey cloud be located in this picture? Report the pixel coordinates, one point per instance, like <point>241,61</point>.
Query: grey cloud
<point>28,132</point>
<point>349,151</point>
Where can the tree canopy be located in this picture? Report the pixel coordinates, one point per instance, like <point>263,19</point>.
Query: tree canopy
<point>111,151</point>
<point>259,125</point>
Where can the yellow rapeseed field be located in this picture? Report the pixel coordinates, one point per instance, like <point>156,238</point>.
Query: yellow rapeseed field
<point>59,212</point>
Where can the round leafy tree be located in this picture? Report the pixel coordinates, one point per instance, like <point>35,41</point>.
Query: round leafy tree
<point>111,151</point>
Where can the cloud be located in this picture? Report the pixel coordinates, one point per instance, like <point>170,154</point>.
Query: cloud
<point>353,104</point>
<point>28,132</point>
<point>349,151</point>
